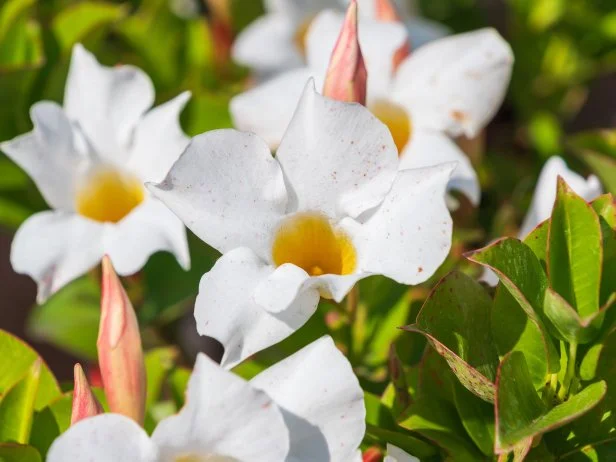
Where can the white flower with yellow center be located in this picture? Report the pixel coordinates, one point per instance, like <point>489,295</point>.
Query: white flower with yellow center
<point>90,159</point>
<point>450,87</point>
<point>330,209</point>
<point>307,407</point>
<point>277,42</point>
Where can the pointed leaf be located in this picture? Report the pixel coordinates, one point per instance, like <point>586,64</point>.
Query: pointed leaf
<point>15,359</point>
<point>572,328</point>
<point>513,330</point>
<point>575,251</point>
<point>594,434</point>
<point>521,272</point>
<point>456,320</point>
<point>17,407</point>
<point>477,416</point>
<point>520,413</point>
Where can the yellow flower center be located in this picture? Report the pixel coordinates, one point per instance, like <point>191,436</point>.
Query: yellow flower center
<point>108,195</point>
<point>301,35</point>
<point>396,119</point>
<point>308,240</point>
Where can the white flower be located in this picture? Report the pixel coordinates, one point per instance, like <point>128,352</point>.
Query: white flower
<point>449,87</point>
<point>329,210</point>
<point>545,192</point>
<point>89,160</point>
<point>276,41</point>
<point>307,407</point>
<point>395,454</point>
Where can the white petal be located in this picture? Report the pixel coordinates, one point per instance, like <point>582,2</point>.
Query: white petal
<point>379,42</point>
<point>335,286</point>
<point>456,83</point>
<point>268,108</point>
<point>395,454</point>
<point>267,45</point>
<point>49,154</point>
<point>103,438</point>
<point>337,157</point>
<point>159,140</point>
<point>409,235</point>
<point>56,247</point>
<point>226,310</point>
<point>545,192</point>
<point>149,228</point>
<point>280,289</point>
<point>228,189</point>
<point>427,148</point>
<point>223,416</point>
<point>323,399</point>
<point>106,102</point>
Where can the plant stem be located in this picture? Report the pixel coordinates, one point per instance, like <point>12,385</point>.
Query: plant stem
<point>570,374</point>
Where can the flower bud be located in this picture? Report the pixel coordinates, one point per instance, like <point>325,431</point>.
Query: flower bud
<point>119,349</point>
<point>85,403</point>
<point>386,11</point>
<point>346,75</point>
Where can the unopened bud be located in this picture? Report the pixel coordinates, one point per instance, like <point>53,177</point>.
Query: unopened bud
<point>85,403</point>
<point>120,355</point>
<point>346,75</point>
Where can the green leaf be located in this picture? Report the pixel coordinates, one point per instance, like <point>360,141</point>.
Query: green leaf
<point>157,37</point>
<point>166,283</point>
<point>513,330</point>
<point>76,22</point>
<point>10,13</point>
<point>402,439</point>
<point>438,422</point>
<point>575,251</point>
<point>537,241</point>
<point>522,274</point>
<point>17,406</point>
<point>593,434</point>
<point>51,422</point>
<point>178,381</point>
<point>456,321</point>
<point>70,318</point>
<point>11,452</point>
<point>158,363</point>
<point>520,413</point>
<point>16,358</point>
<point>382,327</point>
<point>606,209</point>
<point>477,416</point>
<point>568,322</point>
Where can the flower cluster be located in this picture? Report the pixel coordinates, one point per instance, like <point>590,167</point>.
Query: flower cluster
<point>345,163</point>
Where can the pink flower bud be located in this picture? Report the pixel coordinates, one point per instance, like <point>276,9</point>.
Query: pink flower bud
<point>119,349</point>
<point>386,11</point>
<point>85,403</point>
<point>346,74</point>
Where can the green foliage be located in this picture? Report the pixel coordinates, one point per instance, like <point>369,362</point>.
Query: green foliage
<point>545,331</point>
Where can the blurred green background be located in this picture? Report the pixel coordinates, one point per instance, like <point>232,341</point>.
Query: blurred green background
<point>564,82</point>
